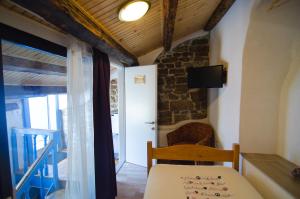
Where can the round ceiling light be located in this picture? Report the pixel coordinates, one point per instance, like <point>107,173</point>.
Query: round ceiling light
<point>133,10</point>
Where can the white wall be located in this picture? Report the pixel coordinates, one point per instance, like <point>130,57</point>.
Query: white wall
<point>150,57</point>
<point>270,87</point>
<point>227,41</point>
<point>259,107</point>
<point>289,109</point>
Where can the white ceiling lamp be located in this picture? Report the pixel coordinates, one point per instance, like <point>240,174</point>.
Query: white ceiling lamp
<point>133,10</point>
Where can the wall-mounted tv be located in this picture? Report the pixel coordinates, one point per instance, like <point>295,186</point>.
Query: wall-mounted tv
<point>206,77</point>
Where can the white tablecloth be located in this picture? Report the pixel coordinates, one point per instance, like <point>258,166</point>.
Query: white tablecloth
<point>197,182</point>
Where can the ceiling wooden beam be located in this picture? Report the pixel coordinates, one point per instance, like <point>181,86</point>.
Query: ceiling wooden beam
<point>24,65</point>
<point>169,15</point>
<point>218,14</point>
<point>73,19</point>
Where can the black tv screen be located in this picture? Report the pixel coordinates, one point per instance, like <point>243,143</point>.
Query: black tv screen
<point>206,77</point>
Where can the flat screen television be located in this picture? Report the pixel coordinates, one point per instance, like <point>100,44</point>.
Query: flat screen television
<point>206,77</point>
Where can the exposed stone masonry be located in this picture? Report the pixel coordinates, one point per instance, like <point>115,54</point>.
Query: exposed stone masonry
<point>114,96</point>
<point>175,101</point>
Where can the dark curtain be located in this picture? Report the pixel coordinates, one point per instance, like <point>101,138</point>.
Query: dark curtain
<point>105,173</point>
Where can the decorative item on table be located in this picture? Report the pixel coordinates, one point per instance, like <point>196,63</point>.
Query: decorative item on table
<point>296,173</point>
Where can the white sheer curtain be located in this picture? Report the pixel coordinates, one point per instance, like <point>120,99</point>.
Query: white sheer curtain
<point>81,182</point>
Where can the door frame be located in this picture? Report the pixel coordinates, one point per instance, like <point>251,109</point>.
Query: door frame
<point>121,112</point>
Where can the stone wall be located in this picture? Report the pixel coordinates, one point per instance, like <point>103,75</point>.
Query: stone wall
<point>114,96</point>
<point>175,101</point>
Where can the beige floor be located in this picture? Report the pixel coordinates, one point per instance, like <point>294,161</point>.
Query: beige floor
<point>131,181</point>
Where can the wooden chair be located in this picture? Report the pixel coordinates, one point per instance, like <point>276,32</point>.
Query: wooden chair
<point>193,153</point>
<point>192,133</point>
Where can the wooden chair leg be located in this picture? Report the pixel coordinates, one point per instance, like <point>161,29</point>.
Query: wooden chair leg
<point>149,156</point>
<point>236,156</point>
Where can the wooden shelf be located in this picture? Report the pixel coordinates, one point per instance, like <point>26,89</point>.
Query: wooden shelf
<point>278,169</point>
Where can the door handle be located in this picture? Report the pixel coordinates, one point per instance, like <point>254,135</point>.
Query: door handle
<point>149,122</point>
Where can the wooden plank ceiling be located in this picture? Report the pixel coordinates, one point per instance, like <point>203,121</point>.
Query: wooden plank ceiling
<point>26,66</point>
<point>133,38</point>
<point>22,67</point>
<point>146,34</point>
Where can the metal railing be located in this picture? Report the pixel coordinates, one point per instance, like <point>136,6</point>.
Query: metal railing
<point>35,169</point>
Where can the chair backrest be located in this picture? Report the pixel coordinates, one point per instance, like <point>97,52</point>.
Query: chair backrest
<point>192,133</point>
<point>193,153</point>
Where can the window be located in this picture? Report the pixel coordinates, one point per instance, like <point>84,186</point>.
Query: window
<point>33,71</point>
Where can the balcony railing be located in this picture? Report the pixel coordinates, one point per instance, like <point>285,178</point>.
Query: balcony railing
<point>35,173</point>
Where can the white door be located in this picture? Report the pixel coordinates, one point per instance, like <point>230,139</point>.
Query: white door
<point>141,107</point>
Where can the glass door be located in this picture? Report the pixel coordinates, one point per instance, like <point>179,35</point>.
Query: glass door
<point>34,83</point>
